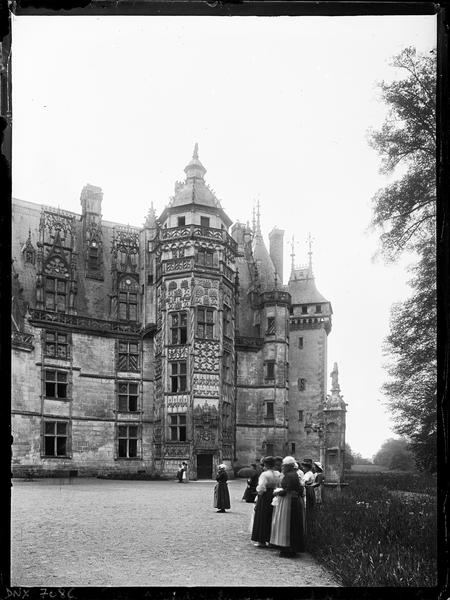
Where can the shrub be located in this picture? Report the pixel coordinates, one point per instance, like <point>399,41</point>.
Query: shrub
<point>369,536</point>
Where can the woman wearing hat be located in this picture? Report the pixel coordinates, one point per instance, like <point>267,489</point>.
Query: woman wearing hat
<point>221,493</point>
<point>252,482</point>
<point>308,481</point>
<point>267,482</point>
<point>318,481</point>
<point>288,530</point>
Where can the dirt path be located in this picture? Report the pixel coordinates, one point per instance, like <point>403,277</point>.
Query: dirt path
<point>142,533</point>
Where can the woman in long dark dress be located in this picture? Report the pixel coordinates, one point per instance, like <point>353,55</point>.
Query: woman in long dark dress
<point>252,482</point>
<point>221,493</point>
<point>288,530</point>
<point>267,482</point>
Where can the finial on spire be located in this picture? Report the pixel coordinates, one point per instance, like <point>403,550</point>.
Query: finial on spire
<point>195,154</point>
<point>258,218</point>
<point>292,254</point>
<point>310,241</point>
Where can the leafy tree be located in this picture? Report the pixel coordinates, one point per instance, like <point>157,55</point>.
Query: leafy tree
<point>404,211</point>
<point>358,459</point>
<point>395,454</point>
<point>348,457</point>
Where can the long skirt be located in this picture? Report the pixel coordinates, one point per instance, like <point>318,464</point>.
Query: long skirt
<point>221,496</point>
<point>249,494</point>
<point>262,521</point>
<point>288,523</point>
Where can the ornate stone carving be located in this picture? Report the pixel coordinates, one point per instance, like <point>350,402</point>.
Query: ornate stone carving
<point>29,251</point>
<point>176,450</point>
<point>58,223</point>
<point>158,342</point>
<point>206,419</point>
<point>178,295</point>
<point>85,323</point>
<point>178,264</point>
<point>205,385</point>
<point>125,249</point>
<point>206,356</point>
<point>177,402</point>
<point>177,352</point>
<point>93,247</point>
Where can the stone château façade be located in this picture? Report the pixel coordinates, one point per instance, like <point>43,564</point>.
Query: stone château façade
<point>135,349</point>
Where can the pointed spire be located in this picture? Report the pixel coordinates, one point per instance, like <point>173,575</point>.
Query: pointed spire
<point>150,221</point>
<point>258,219</point>
<point>253,220</point>
<point>310,241</point>
<point>195,169</point>
<point>292,256</point>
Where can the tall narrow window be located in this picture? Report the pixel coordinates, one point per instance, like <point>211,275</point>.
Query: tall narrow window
<point>128,356</point>
<point>269,410</point>
<point>205,322</point>
<point>300,415</point>
<point>300,343</point>
<point>178,381</point>
<point>304,309</point>
<point>128,299</point>
<point>177,424</point>
<point>292,448</point>
<point>55,294</point>
<point>318,308</point>
<point>178,328</point>
<point>55,384</point>
<point>226,367</point>
<point>93,256</point>
<point>270,369</point>
<point>204,221</point>
<point>301,384</point>
<point>55,438</point>
<point>128,441</point>
<point>270,326</point>
<point>56,344</point>
<point>227,321</point>
<point>128,396</point>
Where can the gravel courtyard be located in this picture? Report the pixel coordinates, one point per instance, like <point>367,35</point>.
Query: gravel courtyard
<point>91,532</point>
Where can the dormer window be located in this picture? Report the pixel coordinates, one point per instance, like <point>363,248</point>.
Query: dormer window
<point>181,221</point>
<point>29,253</point>
<point>318,308</point>
<point>304,309</point>
<point>204,221</point>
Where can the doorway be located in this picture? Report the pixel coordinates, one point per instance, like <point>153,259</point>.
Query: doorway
<point>204,466</point>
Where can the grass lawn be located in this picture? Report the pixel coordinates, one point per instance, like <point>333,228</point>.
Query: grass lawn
<point>380,530</point>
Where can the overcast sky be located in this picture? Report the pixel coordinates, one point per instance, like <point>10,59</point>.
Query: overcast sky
<point>280,108</point>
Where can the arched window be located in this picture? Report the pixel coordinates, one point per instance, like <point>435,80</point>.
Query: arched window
<point>128,299</point>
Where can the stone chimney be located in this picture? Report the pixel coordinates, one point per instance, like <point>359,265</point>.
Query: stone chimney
<point>276,251</point>
<point>91,199</point>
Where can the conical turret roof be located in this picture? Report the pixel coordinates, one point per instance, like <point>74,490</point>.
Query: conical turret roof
<point>302,287</point>
<point>266,268</point>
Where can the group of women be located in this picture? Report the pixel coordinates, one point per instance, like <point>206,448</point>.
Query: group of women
<point>285,492</point>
